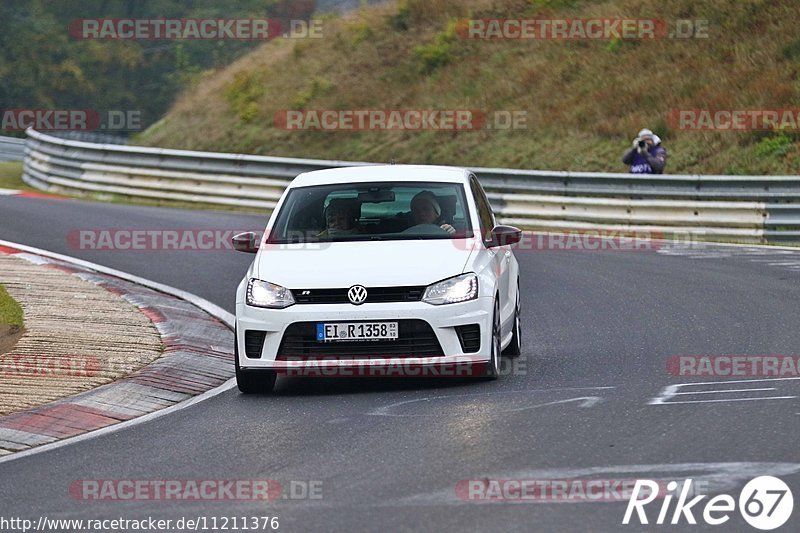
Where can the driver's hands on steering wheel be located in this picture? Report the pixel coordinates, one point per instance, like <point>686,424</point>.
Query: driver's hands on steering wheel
<point>448,228</point>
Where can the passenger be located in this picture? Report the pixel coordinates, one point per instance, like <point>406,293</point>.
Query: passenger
<point>340,218</point>
<point>425,209</point>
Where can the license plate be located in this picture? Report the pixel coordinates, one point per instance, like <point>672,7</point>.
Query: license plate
<point>356,331</point>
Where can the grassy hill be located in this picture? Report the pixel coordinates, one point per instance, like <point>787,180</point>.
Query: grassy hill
<point>585,100</point>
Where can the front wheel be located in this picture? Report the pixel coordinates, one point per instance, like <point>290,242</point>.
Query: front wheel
<point>514,348</point>
<point>493,366</point>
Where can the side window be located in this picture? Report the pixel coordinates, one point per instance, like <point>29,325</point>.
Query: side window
<point>484,209</point>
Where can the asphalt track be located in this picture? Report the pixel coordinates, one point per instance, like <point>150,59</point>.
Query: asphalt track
<point>598,329</point>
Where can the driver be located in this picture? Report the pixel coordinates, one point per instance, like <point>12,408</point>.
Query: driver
<point>425,209</point>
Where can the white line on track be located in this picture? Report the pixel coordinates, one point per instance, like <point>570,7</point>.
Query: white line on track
<point>670,391</point>
<point>731,400</point>
<point>585,401</point>
<point>722,391</point>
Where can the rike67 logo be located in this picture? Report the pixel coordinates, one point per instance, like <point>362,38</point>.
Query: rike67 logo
<point>765,503</point>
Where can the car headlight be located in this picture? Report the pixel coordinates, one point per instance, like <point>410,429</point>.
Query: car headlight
<point>266,294</point>
<point>453,290</point>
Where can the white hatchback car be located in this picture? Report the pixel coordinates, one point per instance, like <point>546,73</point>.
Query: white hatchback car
<point>367,266</point>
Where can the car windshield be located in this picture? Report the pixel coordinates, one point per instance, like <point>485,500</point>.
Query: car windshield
<point>373,211</point>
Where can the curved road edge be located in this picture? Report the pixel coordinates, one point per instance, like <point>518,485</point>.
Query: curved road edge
<point>197,365</point>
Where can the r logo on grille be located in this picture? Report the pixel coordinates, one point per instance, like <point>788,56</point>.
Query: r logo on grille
<point>357,294</point>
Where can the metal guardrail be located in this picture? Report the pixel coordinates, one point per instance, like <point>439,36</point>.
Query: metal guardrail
<point>90,137</point>
<point>11,149</point>
<point>729,208</point>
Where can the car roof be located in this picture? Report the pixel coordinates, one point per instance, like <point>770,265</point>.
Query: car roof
<point>372,173</point>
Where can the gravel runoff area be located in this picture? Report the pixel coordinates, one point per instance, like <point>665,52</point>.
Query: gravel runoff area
<point>99,350</point>
<point>78,335</point>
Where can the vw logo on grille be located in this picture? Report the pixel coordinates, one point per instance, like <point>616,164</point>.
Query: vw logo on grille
<point>357,294</point>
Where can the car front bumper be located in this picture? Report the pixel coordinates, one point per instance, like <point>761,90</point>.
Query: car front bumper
<point>443,320</point>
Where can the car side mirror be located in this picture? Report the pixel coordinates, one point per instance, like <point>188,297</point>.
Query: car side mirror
<point>505,236</point>
<point>246,242</point>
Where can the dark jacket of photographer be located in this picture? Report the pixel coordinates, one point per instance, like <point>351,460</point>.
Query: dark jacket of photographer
<point>651,161</point>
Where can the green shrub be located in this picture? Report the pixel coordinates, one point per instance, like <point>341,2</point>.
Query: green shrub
<point>401,20</point>
<point>319,86</point>
<point>10,311</point>
<point>776,146</point>
<point>440,52</point>
<point>243,94</point>
<point>614,45</point>
<point>300,47</point>
<point>662,129</point>
<point>792,50</point>
<point>553,4</point>
<point>362,32</point>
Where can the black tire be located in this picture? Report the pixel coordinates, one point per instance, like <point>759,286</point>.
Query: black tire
<point>492,371</point>
<point>514,348</point>
<point>253,381</point>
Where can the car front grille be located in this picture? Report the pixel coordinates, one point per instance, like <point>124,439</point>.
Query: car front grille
<point>415,339</point>
<point>374,295</point>
<point>470,337</point>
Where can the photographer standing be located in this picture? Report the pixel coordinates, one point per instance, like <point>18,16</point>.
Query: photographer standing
<point>646,156</point>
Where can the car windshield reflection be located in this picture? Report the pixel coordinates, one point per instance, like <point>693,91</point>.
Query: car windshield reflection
<point>372,211</point>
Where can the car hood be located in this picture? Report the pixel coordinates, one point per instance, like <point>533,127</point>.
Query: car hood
<point>368,263</point>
